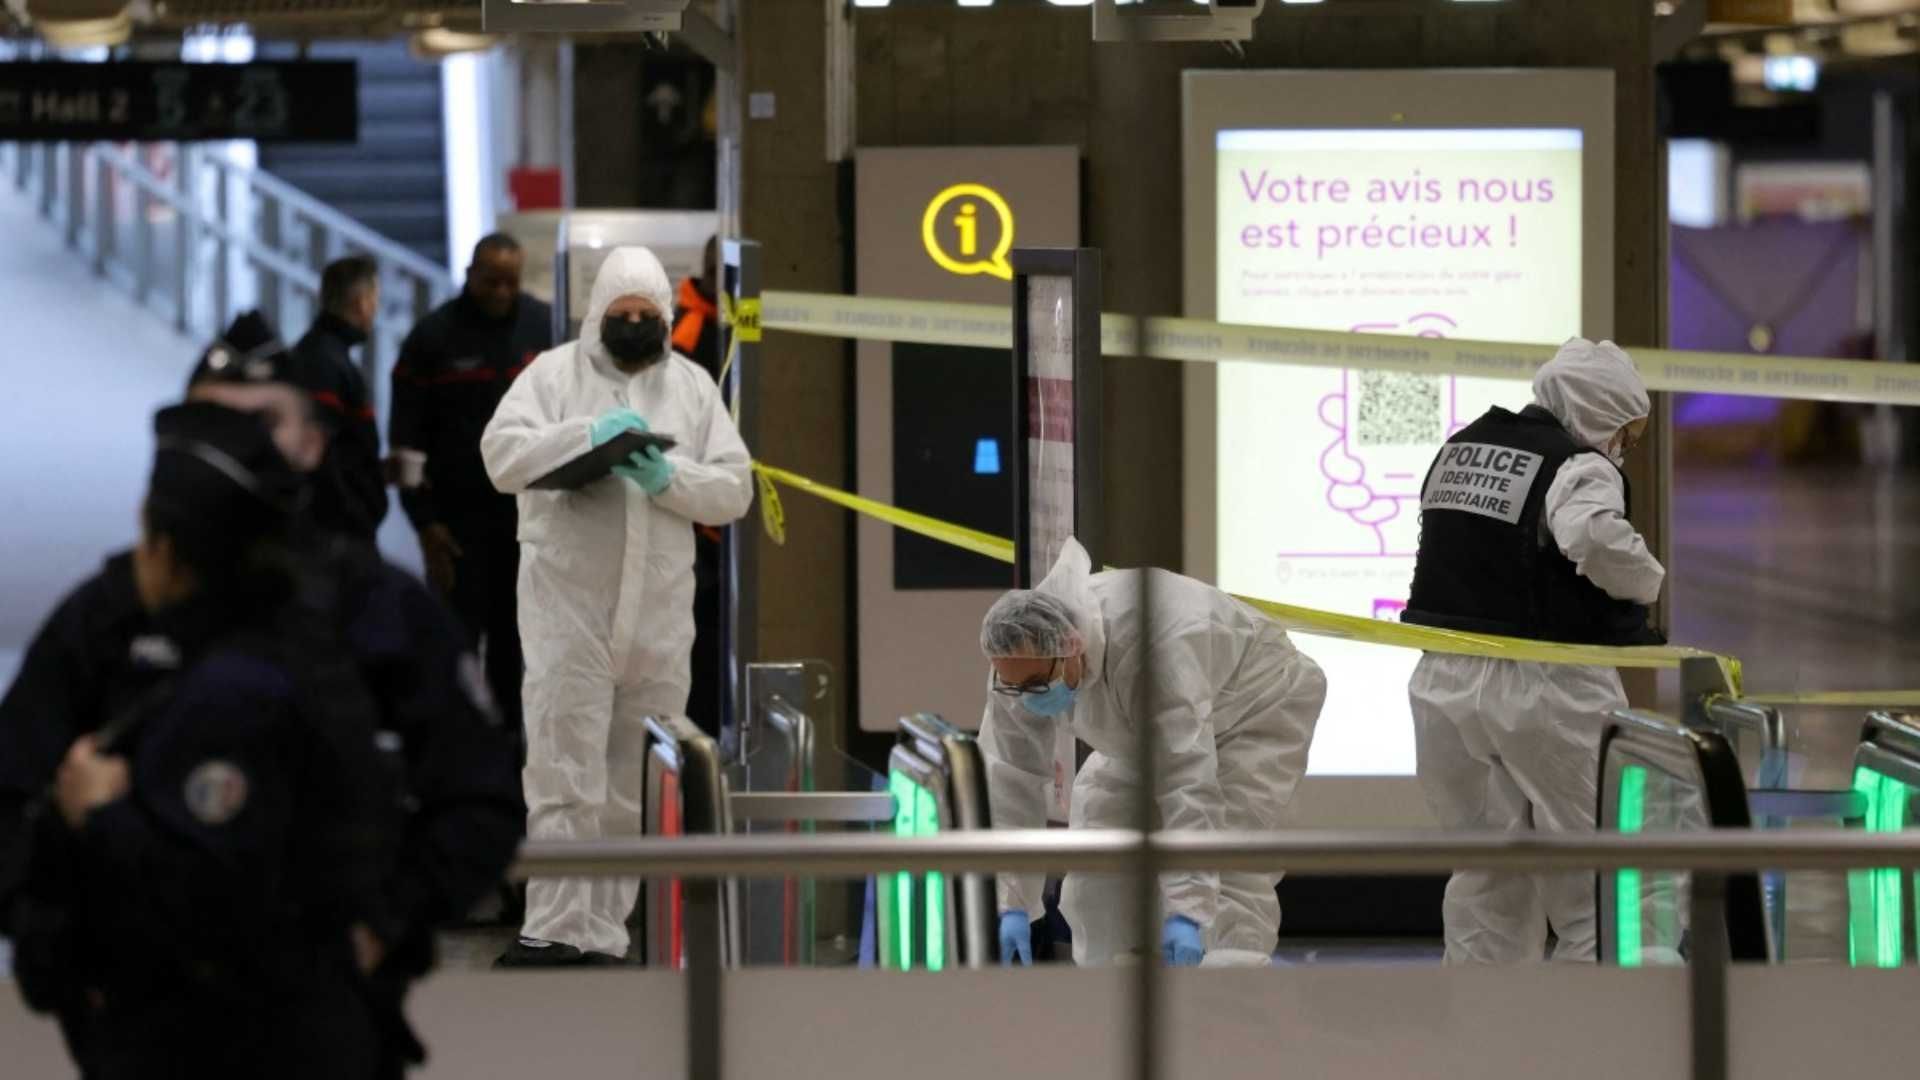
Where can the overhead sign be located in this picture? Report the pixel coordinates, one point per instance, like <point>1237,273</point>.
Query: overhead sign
<point>137,101</point>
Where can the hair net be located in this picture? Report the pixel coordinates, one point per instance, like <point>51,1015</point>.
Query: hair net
<point>1052,619</point>
<point>628,271</point>
<point>1594,390</point>
<point>1030,623</point>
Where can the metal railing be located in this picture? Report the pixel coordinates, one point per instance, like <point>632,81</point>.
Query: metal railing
<point>1330,851</point>
<point>199,237</point>
<point>1711,855</point>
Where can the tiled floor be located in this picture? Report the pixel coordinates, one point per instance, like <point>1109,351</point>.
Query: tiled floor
<point>1808,576</point>
<point>1812,579</point>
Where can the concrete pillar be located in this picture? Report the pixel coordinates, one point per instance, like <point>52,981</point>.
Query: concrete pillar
<point>786,195</point>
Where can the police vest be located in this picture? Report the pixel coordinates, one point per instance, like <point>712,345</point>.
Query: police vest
<point>1487,565</point>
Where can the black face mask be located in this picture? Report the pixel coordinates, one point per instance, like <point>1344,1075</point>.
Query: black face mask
<point>635,343</point>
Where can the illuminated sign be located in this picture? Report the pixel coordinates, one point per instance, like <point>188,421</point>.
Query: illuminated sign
<point>953,226</point>
<point>912,908</point>
<point>1437,233</point>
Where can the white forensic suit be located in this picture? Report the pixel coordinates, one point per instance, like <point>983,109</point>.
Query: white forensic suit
<point>606,588</point>
<point>1232,708</point>
<point>1506,745</point>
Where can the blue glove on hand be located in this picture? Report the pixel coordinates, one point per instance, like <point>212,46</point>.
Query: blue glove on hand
<point>1180,942</point>
<point>613,422</point>
<point>651,470</point>
<point>1016,939</point>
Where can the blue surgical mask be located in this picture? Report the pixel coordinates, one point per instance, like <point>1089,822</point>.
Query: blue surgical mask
<point>1054,700</point>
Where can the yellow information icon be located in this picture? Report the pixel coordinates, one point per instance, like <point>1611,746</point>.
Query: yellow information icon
<point>966,201</point>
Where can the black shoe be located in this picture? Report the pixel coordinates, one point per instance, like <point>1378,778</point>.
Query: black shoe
<point>534,953</point>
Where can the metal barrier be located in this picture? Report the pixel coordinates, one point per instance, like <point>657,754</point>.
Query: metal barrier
<point>684,795</point>
<point>1772,801</point>
<point>1886,776</point>
<point>1660,776</point>
<point>199,237</point>
<point>777,781</point>
<point>939,785</point>
<point>1305,852</point>
<point>1775,804</point>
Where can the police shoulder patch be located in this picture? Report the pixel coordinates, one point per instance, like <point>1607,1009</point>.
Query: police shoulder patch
<point>216,792</point>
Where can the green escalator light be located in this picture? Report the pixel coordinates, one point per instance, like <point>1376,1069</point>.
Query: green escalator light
<point>898,890</point>
<point>1876,934</point>
<point>1626,881</point>
<point>936,887</point>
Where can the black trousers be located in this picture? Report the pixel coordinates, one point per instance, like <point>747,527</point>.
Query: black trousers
<point>486,580</point>
<point>703,697</point>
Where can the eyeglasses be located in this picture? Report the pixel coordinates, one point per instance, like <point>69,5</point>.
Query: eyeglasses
<point>1036,685</point>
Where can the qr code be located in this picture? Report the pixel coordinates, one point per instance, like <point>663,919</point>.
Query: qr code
<point>1397,409</point>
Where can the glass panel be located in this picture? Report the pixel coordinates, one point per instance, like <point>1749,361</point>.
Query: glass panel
<point>1649,907</point>
<point>802,922</point>
<point>1877,932</point>
<point>1050,321</point>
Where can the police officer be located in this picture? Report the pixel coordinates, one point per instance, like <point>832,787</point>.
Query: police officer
<point>696,336</point>
<point>453,370</point>
<point>201,879</point>
<point>1524,533</point>
<point>354,478</point>
<point>458,759</point>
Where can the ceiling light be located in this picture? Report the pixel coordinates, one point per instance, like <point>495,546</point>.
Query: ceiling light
<point>1790,74</point>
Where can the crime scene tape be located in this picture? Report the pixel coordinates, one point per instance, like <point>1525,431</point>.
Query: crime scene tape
<point>743,318</point>
<point>1292,617</point>
<point>1200,341</point>
<point>1849,699</point>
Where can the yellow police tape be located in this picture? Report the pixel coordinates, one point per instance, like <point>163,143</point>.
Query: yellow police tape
<point>1304,620</point>
<point>743,317</point>
<point>1849,699</point>
<point>1197,340</point>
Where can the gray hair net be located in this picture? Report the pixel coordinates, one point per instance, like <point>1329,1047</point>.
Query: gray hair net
<point>1027,623</point>
<point>1593,390</point>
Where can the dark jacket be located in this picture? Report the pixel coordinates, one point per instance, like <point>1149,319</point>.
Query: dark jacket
<point>350,492</point>
<point>453,370</point>
<point>201,921</point>
<point>461,773</point>
<point>456,765</point>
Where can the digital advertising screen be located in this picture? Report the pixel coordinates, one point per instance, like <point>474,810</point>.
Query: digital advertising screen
<point>1437,233</point>
<point>1442,204</point>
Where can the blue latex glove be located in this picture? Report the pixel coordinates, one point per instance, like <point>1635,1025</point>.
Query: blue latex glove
<point>651,470</point>
<point>1016,939</point>
<point>613,422</point>
<point>1180,942</point>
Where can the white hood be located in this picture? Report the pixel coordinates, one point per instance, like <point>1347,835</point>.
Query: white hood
<point>1593,390</point>
<point>1071,580</point>
<point>628,271</point>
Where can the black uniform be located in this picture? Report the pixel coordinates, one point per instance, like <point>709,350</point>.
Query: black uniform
<point>453,370</point>
<point>1487,563</point>
<point>696,335</point>
<point>351,488</point>
<point>200,923</point>
<point>460,773</point>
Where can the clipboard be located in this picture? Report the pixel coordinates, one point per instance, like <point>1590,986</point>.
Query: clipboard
<point>598,462</point>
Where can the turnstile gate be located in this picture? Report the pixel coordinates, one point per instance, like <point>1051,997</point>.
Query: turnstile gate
<point>1660,776</point>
